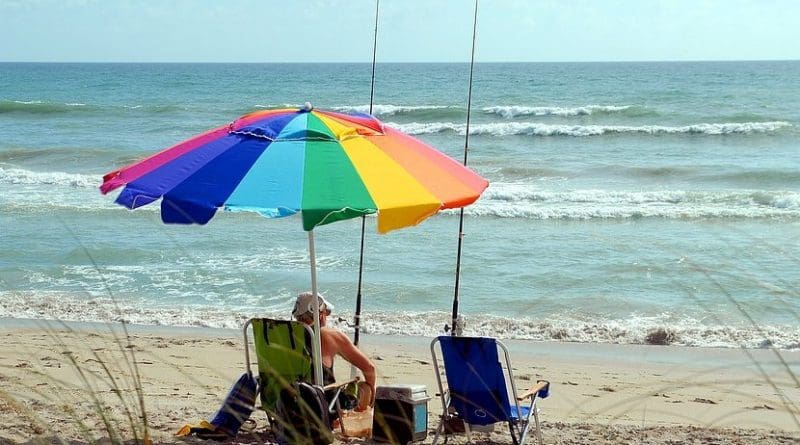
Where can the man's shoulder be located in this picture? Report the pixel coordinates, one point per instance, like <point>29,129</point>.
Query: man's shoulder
<point>334,333</point>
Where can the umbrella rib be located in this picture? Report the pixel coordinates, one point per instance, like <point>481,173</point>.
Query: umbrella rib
<point>342,210</point>
<point>271,139</point>
<point>304,138</point>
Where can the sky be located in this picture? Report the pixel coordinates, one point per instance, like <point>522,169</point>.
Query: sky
<point>408,30</point>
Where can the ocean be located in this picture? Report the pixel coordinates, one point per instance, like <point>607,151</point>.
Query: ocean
<point>628,203</point>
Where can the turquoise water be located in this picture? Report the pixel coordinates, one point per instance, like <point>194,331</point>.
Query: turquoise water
<point>624,198</point>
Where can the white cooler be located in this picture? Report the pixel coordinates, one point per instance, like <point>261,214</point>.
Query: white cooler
<point>401,414</point>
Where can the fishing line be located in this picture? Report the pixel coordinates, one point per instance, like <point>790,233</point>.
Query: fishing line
<point>455,327</point>
<point>374,53</point>
<point>357,317</point>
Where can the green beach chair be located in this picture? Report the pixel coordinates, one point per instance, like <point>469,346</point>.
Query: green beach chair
<point>283,353</point>
<point>284,358</point>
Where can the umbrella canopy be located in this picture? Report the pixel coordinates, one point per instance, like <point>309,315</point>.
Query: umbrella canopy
<point>325,165</point>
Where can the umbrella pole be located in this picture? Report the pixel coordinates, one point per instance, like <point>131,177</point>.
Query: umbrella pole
<point>317,350</point>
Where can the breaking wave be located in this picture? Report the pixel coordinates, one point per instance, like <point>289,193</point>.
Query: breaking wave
<point>635,329</point>
<point>526,201</point>
<point>44,191</point>
<point>506,111</point>
<point>512,111</point>
<point>18,176</point>
<point>504,129</point>
<point>381,111</point>
<point>392,110</point>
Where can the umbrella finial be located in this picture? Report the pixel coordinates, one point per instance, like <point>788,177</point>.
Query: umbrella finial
<point>307,107</point>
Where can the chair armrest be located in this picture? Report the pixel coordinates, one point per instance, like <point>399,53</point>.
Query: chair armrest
<point>337,385</point>
<point>542,386</point>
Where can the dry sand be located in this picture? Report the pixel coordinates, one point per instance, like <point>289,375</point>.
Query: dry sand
<point>54,383</point>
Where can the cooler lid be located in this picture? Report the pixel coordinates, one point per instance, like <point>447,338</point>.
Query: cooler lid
<point>410,392</point>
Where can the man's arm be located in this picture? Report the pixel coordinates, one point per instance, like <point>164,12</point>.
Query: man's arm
<point>352,354</point>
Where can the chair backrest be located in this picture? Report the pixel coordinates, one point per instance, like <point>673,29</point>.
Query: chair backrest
<point>475,379</point>
<point>283,352</point>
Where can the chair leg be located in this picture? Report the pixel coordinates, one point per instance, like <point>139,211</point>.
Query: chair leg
<point>439,430</point>
<point>514,439</point>
<point>466,430</point>
<point>538,429</point>
<point>525,424</point>
<point>339,414</point>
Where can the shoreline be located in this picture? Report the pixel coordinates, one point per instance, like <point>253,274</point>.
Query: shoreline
<point>660,330</point>
<point>667,354</point>
<point>186,372</point>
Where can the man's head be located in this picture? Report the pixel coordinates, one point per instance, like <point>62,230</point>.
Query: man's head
<point>304,307</point>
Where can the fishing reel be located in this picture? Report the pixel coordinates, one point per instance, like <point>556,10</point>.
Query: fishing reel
<point>458,327</point>
<point>346,322</point>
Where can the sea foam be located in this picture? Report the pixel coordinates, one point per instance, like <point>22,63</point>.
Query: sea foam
<point>377,109</point>
<point>43,191</point>
<point>512,200</point>
<point>389,110</point>
<point>511,111</point>
<point>634,329</point>
<point>504,129</point>
<point>20,176</point>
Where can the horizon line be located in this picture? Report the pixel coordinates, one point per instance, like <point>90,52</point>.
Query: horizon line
<point>392,63</point>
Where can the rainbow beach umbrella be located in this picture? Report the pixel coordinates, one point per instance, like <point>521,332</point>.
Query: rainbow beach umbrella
<point>326,166</point>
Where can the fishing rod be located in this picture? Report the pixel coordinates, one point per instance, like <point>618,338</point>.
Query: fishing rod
<point>357,318</point>
<point>455,323</point>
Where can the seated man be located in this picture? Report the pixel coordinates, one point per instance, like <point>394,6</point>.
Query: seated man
<point>333,342</point>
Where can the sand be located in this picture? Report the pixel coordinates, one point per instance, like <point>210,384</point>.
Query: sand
<point>56,381</point>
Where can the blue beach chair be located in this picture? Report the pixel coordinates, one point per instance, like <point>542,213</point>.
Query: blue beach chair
<point>476,394</point>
